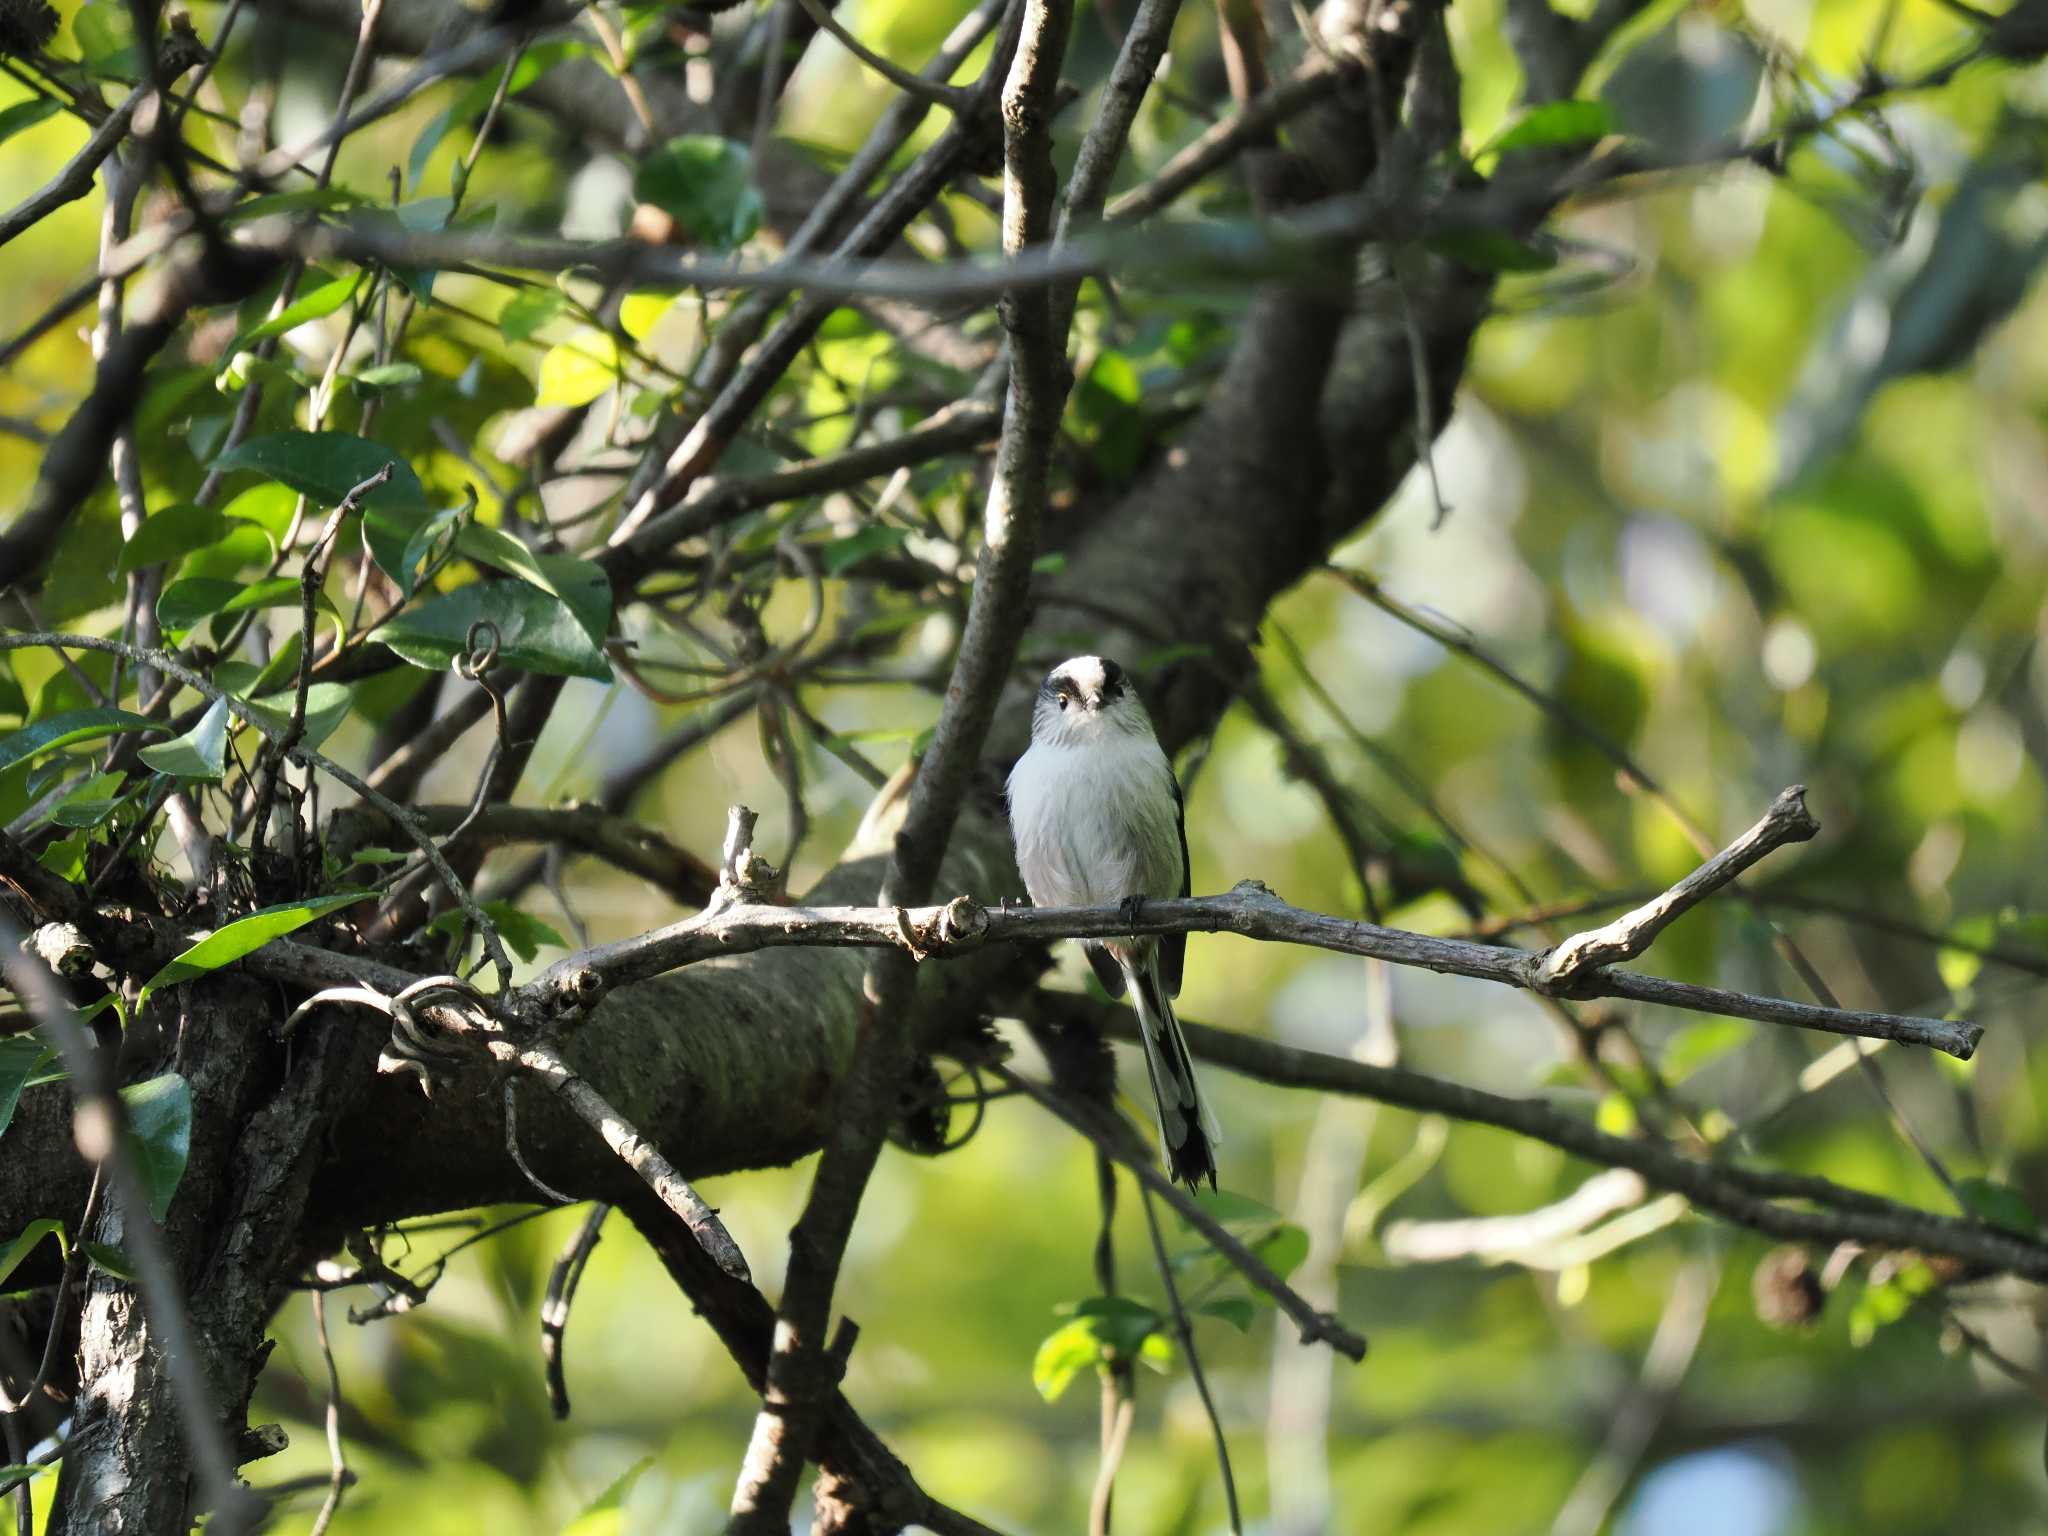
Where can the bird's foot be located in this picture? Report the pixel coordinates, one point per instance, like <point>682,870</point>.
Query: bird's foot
<point>1131,907</point>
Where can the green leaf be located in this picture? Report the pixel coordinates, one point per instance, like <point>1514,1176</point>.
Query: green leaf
<point>1698,1044</point>
<point>20,1058</point>
<point>23,1472</point>
<point>92,803</point>
<point>421,548</point>
<point>327,705</point>
<point>1234,1310</point>
<point>65,858</point>
<point>1235,1210</point>
<point>25,1241</point>
<point>111,1259</point>
<point>528,310</point>
<point>1066,1352</point>
<point>306,200</point>
<point>576,371</point>
<point>580,583</point>
<point>24,115</point>
<point>537,631</point>
<point>1104,1330</point>
<point>372,382</point>
<point>1487,250</point>
<point>68,730</point>
<point>1283,1249</point>
<point>1999,1204</point>
<point>841,554</point>
<point>201,753</point>
<point>159,1136</point>
<point>246,935</point>
<point>605,1515</point>
<point>169,533</point>
<point>523,934</point>
<point>315,305</point>
<point>185,604</point>
<point>1555,125</point>
<point>707,185</point>
<point>326,466</point>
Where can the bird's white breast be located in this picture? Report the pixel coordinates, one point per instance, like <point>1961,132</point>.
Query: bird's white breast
<point>1096,823</point>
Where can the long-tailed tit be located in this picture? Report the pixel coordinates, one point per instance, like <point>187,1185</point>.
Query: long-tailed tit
<point>1096,815</point>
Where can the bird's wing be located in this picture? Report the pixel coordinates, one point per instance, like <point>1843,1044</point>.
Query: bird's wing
<point>1173,947</point>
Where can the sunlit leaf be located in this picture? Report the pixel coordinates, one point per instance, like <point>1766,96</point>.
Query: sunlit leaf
<point>246,935</point>
<point>578,370</point>
<point>23,1244</point>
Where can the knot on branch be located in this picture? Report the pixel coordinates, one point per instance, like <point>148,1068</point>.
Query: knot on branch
<point>743,875</point>
<point>1563,971</point>
<point>418,1044</point>
<point>62,948</point>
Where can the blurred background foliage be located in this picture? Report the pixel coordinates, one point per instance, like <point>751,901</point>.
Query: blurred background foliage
<point>1754,479</point>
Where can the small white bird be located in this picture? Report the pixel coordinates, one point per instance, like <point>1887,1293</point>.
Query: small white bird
<point>1096,815</point>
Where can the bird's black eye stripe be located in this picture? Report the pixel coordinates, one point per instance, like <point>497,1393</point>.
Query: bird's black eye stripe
<point>1112,680</point>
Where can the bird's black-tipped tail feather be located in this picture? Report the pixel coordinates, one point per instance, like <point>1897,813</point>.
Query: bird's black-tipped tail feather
<point>1187,1127</point>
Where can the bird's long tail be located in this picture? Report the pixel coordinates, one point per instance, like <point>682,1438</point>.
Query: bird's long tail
<point>1187,1126</point>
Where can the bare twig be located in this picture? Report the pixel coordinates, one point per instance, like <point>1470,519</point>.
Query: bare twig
<point>339,1475</point>
<point>1749,1197</point>
<point>1787,821</point>
<point>1315,1327</point>
<point>1186,1332</point>
<point>563,1279</point>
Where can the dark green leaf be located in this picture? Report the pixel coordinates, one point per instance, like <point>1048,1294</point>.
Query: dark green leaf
<point>245,935</point>
<point>24,115</point>
<point>426,541</point>
<point>1235,1210</point>
<point>69,729</point>
<point>24,1244</point>
<point>1999,1204</point>
<point>1556,124</point>
<point>326,466</point>
<point>111,1259</point>
<point>159,1136</point>
<point>841,554</point>
<point>1234,1310</point>
<point>20,1056</point>
<point>523,934</point>
<point>707,185</point>
<point>537,631</point>
<point>1487,250</point>
<point>169,533</point>
<point>201,753</point>
<point>580,583</point>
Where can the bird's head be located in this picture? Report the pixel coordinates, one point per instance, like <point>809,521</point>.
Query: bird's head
<point>1085,700</point>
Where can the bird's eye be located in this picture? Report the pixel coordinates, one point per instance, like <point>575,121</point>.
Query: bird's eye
<point>1063,701</point>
